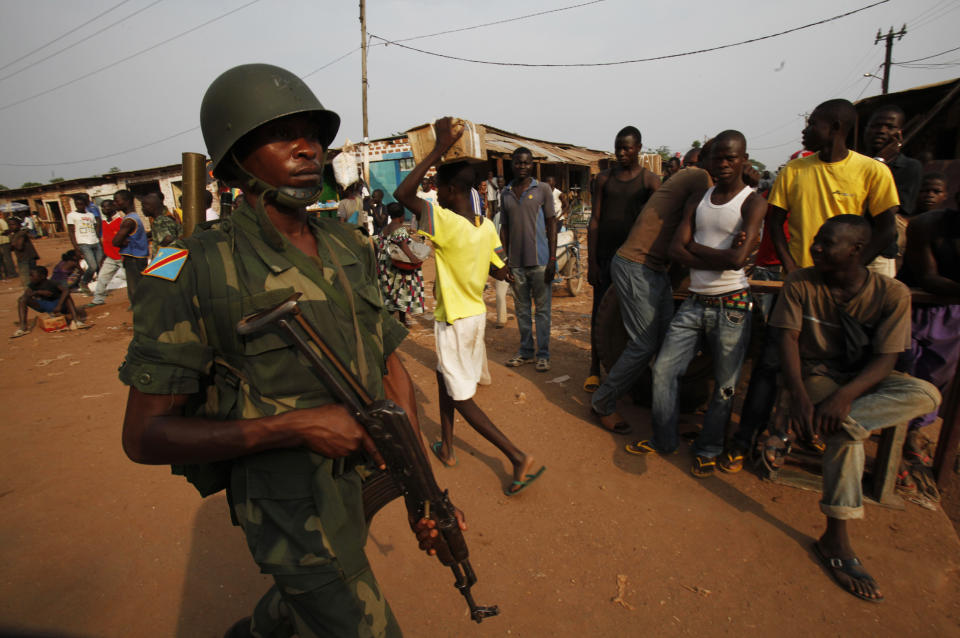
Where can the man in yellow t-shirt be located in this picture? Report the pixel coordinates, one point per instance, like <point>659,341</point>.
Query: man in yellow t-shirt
<point>467,251</point>
<point>833,181</point>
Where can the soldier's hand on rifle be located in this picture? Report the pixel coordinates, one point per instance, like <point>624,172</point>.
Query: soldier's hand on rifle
<point>331,430</point>
<point>429,537</point>
<point>448,131</point>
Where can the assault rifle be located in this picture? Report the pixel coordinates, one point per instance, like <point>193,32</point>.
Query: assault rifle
<point>408,471</point>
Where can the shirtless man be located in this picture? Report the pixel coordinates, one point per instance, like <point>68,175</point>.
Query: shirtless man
<point>621,193</point>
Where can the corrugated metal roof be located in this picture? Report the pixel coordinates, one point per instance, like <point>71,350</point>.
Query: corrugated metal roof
<point>890,96</point>
<point>500,141</point>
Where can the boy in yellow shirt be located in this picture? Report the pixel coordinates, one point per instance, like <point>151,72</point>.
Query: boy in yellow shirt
<point>467,251</point>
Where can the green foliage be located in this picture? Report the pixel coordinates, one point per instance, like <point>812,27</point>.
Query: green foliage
<point>3,188</point>
<point>114,169</point>
<point>54,180</point>
<point>695,144</point>
<point>30,184</point>
<point>664,152</point>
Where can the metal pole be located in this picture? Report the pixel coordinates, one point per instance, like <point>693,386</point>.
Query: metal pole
<point>363,62</point>
<point>194,183</point>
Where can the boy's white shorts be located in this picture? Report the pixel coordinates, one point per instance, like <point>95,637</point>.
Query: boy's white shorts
<point>462,355</point>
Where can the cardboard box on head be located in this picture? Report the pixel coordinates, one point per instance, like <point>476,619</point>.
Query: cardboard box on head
<point>470,146</point>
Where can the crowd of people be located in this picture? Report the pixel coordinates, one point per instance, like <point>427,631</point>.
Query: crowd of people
<point>846,351</point>
<point>107,238</point>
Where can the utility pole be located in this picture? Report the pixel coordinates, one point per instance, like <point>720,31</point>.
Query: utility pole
<point>886,64</point>
<point>363,63</point>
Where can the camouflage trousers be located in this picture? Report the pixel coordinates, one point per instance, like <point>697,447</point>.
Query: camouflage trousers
<point>308,532</point>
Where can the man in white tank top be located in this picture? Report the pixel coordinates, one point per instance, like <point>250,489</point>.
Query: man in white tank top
<point>714,239</point>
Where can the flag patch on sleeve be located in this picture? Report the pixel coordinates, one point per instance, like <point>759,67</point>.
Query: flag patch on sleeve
<point>167,263</point>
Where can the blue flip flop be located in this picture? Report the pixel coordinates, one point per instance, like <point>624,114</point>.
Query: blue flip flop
<point>435,448</point>
<point>524,484</point>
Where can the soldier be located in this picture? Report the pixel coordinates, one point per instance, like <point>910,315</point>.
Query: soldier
<point>245,413</point>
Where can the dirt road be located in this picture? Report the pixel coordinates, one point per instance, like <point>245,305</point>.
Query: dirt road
<point>94,545</point>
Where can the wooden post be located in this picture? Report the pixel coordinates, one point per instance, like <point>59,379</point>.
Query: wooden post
<point>363,63</point>
<point>499,166</point>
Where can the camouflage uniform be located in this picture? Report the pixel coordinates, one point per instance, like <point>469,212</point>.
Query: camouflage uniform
<point>161,227</point>
<point>301,512</point>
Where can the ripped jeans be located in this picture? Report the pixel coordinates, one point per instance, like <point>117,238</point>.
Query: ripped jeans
<point>727,334</point>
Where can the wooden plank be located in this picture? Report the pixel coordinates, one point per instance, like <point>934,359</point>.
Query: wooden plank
<point>887,464</point>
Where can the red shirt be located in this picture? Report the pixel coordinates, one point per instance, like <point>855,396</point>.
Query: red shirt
<point>110,229</point>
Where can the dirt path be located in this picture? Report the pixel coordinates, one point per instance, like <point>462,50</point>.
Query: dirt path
<point>94,545</point>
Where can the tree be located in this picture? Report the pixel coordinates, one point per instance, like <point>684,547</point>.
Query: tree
<point>54,180</point>
<point>114,169</point>
<point>30,184</point>
<point>695,144</point>
<point>3,188</point>
<point>664,152</point>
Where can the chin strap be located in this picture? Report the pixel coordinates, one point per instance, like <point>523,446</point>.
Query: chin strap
<point>283,195</point>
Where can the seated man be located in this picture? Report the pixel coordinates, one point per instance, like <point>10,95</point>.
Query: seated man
<point>932,263</point>
<point>842,328</point>
<point>44,295</point>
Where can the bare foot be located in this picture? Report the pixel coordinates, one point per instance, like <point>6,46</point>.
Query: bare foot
<point>613,423</point>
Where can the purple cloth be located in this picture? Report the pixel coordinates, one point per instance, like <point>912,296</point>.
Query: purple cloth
<point>935,349</point>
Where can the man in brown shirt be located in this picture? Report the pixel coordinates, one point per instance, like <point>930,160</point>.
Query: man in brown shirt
<point>842,329</point>
<point>639,272</point>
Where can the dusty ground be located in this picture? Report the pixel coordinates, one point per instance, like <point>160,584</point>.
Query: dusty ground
<point>94,545</point>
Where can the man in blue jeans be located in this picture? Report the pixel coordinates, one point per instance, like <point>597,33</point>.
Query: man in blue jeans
<point>639,273</point>
<point>708,240</point>
<point>842,328</point>
<point>528,231</point>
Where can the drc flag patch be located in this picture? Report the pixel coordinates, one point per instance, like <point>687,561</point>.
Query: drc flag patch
<point>167,263</point>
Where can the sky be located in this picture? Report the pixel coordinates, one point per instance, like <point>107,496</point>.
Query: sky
<point>88,85</point>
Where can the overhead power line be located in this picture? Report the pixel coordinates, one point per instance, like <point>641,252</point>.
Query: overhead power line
<point>78,42</point>
<point>504,21</point>
<point>431,35</point>
<point>63,35</point>
<point>317,70</point>
<point>929,56</point>
<point>129,57</point>
<point>94,159</point>
<point>634,61</point>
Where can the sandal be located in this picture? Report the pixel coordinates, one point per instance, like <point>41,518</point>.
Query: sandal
<point>852,568</point>
<point>731,461</point>
<point>525,483</point>
<point>19,333</point>
<point>640,448</point>
<point>435,448</point>
<point>703,467</point>
<point>518,361</point>
<point>775,451</point>
<point>592,383</point>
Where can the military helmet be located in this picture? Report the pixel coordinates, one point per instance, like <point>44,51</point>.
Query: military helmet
<point>249,95</point>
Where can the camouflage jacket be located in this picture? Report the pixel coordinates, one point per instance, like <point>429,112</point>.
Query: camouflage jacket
<point>185,339</point>
<point>162,227</point>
